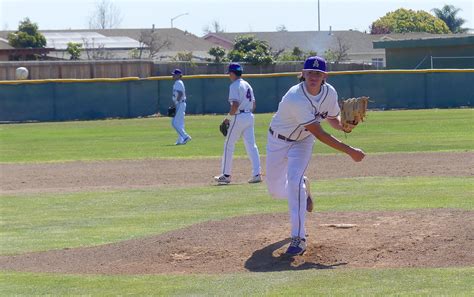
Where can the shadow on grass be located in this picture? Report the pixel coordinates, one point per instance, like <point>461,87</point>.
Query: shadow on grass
<point>271,259</point>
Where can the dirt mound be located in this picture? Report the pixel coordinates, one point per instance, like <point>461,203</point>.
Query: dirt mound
<point>417,238</point>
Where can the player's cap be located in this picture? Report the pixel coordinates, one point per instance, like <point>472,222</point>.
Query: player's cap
<point>315,64</point>
<point>235,67</point>
<point>177,72</point>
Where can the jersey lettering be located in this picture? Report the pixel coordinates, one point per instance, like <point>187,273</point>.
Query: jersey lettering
<point>249,95</point>
<point>323,115</point>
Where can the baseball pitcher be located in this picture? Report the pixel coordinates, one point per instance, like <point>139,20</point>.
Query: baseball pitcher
<point>292,134</point>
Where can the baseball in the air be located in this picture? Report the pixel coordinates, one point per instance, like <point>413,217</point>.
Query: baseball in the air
<point>21,73</point>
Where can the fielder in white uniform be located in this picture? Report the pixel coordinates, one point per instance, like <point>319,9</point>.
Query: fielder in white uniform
<point>241,121</point>
<point>291,137</point>
<point>179,100</point>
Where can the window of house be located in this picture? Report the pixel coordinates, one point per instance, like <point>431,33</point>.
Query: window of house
<point>377,62</point>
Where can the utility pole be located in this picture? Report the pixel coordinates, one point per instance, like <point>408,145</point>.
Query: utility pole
<point>172,19</point>
<point>319,19</point>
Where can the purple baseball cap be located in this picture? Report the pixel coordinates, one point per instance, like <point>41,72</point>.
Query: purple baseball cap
<point>315,64</point>
<point>177,72</point>
<point>235,67</point>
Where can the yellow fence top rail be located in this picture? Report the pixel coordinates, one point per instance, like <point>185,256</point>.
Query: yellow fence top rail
<point>284,74</point>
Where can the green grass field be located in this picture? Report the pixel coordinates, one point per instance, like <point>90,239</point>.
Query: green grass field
<point>388,131</point>
<point>92,218</point>
<point>37,222</point>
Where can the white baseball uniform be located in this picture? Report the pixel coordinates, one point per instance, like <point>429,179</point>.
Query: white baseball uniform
<point>290,146</point>
<point>241,125</point>
<point>178,120</point>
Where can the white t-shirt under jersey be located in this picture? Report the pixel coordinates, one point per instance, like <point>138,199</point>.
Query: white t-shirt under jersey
<point>240,91</point>
<point>178,86</point>
<point>298,108</point>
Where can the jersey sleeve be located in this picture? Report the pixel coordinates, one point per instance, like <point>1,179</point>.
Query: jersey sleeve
<point>234,95</point>
<point>250,93</point>
<point>179,86</point>
<point>333,109</point>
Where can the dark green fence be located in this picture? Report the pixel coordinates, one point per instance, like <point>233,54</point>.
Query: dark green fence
<point>62,100</point>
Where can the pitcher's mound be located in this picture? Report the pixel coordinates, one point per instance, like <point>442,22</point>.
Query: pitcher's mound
<point>416,238</point>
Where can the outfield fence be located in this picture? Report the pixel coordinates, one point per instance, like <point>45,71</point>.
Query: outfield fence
<point>86,69</point>
<point>78,69</point>
<point>88,99</point>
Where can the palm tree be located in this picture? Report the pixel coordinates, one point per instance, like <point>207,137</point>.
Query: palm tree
<point>448,15</point>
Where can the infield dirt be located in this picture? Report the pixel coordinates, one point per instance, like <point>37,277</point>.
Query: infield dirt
<point>414,238</point>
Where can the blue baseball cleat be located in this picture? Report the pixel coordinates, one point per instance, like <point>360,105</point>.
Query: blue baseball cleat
<point>297,246</point>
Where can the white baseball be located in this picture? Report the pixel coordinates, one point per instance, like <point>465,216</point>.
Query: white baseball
<point>21,73</point>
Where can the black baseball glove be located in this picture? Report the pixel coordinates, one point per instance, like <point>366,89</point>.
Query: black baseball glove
<point>172,111</point>
<point>224,127</point>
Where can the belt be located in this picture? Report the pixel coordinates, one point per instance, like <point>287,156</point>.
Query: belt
<point>244,111</point>
<point>279,136</point>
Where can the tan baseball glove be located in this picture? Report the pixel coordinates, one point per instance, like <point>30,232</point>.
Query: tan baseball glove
<point>353,111</point>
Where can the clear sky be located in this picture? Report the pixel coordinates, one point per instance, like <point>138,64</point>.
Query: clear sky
<point>233,16</point>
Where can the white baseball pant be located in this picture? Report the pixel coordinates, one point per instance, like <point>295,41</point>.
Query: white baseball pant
<point>178,121</point>
<point>241,125</point>
<point>285,167</point>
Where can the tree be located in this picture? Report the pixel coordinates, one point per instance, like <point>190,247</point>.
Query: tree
<point>27,36</point>
<point>74,49</point>
<point>294,55</point>
<point>214,28</point>
<point>218,53</point>
<point>338,54</point>
<point>96,51</point>
<point>448,15</point>
<point>407,20</point>
<point>151,40</point>
<point>249,49</point>
<point>184,56</point>
<point>281,28</point>
<point>134,53</point>
<point>105,16</point>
